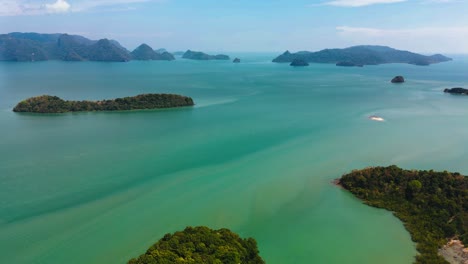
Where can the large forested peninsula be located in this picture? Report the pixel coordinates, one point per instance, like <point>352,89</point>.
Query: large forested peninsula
<point>432,205</point>
<point>201,245</point>
<point>361,55</point>
<point>40,47</point>
<point>54,104</point>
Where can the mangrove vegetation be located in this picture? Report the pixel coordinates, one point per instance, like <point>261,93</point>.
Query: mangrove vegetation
<point>54,104</point>
<point>432,205</point>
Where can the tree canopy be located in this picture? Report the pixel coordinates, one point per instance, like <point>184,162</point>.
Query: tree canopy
<point>201,244</point>
<point>54,104</point>
<point>432,205</point>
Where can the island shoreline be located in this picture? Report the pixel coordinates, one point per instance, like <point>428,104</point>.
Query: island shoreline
<point>46,104</point>
<point>453,251</point>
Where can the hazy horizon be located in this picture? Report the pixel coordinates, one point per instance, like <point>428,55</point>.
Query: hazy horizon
<point>272,52</point>
<point>424,26</point>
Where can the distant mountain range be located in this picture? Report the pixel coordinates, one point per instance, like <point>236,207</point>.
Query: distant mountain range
<point>40,47</point>
<point>362,55</point>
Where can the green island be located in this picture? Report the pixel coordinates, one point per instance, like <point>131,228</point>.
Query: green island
<point>358,56</point>
<point>432,205</point>
<point>201,245</point>
<point>54,104</point>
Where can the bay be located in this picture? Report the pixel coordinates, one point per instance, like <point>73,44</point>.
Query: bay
<point>256,154</point>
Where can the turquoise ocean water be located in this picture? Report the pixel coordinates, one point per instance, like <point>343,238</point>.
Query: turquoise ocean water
<point>256,155</point>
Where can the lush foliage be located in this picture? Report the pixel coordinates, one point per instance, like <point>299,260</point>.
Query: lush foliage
<point>201,245</point>
<point>54,104</point>
<point>432,205</point>
<point>362,55</point>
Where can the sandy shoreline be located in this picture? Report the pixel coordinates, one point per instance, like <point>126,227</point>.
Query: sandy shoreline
<point>454,252</point>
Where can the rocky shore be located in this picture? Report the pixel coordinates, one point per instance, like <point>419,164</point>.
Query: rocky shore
<point>455,252</point>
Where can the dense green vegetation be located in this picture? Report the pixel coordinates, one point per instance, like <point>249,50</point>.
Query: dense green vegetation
<point>362,55</point>
<point>54,104</point>
<point>432,205</point>
<point>201,245</point>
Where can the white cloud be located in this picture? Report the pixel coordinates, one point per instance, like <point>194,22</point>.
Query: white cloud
<point>9,8</point>
<point>424,39</point>
<point>41,7</point>
<point>30,7</point>
<point>356,3</point>
<point>419,32</point>
<point>93,4</point>
<point>442,1</point>
<point>61,6</point>
<point>359,3</point>
<point>12,8</point>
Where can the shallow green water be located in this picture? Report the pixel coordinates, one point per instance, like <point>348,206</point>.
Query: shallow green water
<point>256,155</point>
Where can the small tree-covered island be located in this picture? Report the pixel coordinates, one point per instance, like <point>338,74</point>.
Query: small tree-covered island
<point>54,104</point>
<point>201,244</point>
<point>432,205</point>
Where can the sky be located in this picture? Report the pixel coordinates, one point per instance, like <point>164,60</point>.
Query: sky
<point>426,26</point>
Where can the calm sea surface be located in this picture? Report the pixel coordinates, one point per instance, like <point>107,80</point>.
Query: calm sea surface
<point>256,155</point>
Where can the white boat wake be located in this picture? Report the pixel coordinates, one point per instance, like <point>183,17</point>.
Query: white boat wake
<point>376,118</point>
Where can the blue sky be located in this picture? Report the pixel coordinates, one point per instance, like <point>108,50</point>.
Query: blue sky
<point>426,26</point>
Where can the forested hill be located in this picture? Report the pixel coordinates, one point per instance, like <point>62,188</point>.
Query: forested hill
<point>196,245</point>
<point>362,55</point>
<point>40,47</point>
<point>54,104</point>
<point>432,205</point>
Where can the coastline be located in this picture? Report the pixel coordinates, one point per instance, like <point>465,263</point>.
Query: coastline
<point>47,104</point>
<point>337,183</point>
<point>454,252</point>
<point>159,140</point>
